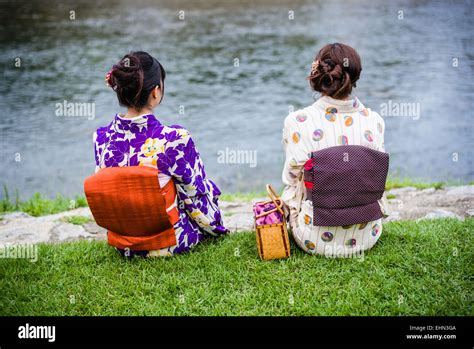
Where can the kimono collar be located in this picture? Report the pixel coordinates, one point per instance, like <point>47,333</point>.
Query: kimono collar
<point>135,124</point>
<point>342,106</point>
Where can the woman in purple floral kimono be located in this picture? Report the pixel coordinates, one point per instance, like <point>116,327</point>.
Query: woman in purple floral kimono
<point>139,139</point>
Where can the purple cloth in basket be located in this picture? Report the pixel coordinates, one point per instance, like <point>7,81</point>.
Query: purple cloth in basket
<point>348,181</point>
<point>271,218</point>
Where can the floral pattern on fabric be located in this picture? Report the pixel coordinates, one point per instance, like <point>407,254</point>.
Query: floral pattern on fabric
<point>144,141</point>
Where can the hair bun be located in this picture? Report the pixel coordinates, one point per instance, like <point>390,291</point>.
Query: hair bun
<point>326,65</point>
<point>126,79</point>
<point>337,68</point>
<point>134,77</point>
<point>129,63</point>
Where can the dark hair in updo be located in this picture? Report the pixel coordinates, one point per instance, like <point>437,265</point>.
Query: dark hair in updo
<point>134,77</point>
<point>335,71</point>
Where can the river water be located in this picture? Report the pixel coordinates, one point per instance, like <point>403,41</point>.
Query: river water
<point>234,70</point>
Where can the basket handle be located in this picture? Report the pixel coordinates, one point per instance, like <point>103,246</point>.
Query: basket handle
<point>277,201</point>
<point>268,212</point>
<point>275,198</point>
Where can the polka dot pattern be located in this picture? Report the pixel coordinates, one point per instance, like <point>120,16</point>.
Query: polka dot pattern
<point>375,230</point>
<point>379,127</point>
<point>348,120</point>
<point>355,103</point>
<point>320,126</point>
<point>301,118</point>
<point>351,243</point>
<point>327,236</point>
<point>342,140</point>
<point>318,135</point>
<point>331,114</point>
<point>330,117</point>
<point>296,137</point>
<point>369,136</point>
<point>310,245</point>
<point>337,199</point>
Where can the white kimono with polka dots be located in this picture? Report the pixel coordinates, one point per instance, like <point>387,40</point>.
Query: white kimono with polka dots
<point>327,123</point>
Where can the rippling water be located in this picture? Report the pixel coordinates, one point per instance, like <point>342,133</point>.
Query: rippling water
<point>242,108</point>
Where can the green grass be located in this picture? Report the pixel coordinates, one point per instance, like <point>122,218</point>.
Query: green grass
<point>38,205</point>
<point>422,268</point>
<point>245,197</point>
<point>401,183</point>
<point>77,220</point>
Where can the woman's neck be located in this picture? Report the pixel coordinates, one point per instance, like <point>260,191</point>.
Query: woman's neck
<point>132,113</point>
<point>349,97</point>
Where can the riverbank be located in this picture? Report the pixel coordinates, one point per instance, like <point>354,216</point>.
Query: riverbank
<point>407,203</point>
<point>39,205</point>
<point>417,268</point>
<point>74,272</point>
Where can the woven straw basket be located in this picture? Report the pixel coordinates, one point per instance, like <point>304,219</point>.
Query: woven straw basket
<point>272,239</point>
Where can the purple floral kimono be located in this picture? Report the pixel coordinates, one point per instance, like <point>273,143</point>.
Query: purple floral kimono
<point>144,141</point>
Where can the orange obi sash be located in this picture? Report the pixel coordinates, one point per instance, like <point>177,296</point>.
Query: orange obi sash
<point>131,205</point>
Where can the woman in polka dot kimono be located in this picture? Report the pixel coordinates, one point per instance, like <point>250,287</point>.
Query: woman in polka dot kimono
<point>334,119</point>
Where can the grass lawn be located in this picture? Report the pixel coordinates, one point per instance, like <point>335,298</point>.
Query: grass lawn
<point>422,268</point>
<point>38,205</point>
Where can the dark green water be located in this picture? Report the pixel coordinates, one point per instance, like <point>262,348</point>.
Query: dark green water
<point>239,108</point>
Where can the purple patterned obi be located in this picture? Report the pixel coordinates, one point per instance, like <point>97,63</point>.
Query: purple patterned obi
<point>345,183</point>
